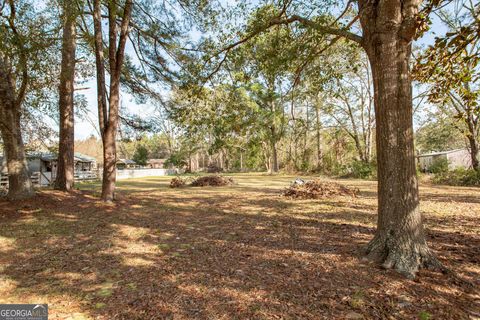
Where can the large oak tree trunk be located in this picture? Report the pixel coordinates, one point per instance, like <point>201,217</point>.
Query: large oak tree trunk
<point>399,241</point>
<point>19,183</point>
<point>66,165</point>
<point>20,186</point>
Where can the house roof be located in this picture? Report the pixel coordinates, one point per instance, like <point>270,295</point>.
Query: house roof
<point>439,153</point>
<point>126,161</point>
<point>84,158</point>
<point>47,156</point>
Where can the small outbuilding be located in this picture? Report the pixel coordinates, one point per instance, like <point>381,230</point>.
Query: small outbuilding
<point>45,164</point>
<point>125,164</point>
<point>458,158</point>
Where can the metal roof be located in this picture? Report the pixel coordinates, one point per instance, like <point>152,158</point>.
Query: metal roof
<point>439,153</point>
<point>126,161</point>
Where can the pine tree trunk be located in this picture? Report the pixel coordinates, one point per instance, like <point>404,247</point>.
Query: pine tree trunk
<point>66,165</point>
<point>399,241</point>
<point>274,166</point>
<point>110,140</point>
<point>318,138</point>
<point>108,117</point>
<point>109,164</point>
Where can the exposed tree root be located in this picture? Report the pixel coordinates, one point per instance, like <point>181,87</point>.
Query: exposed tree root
<point>20,195</point>
<point>403,254</point>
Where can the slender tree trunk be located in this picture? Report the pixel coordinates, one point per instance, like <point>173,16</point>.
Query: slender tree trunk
<point>66,165</point>
<point>273,146</point>
<point>109,164</point>
<point>241,161</point>
<point>318,138</point>
<point>108,117</point>
<point>474,149</point>
<point>472,126</point>
<point>399,241</point>
<point>274,166</point>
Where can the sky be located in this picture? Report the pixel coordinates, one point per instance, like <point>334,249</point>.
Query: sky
<point>84,128</point>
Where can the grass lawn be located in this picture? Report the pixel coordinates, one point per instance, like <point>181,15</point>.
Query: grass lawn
<point>239,252</point>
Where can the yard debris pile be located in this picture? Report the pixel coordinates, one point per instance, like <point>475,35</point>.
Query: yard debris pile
<point>317,189</point>
<point>177,182</point>
<point>213,181</point>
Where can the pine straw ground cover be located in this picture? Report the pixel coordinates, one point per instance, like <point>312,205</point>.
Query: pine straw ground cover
<point>236,252</point>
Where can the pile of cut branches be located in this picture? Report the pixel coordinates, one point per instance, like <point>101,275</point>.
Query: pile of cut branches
<point>214,181</point>
<point>318,189</point>
<point>177,182</point>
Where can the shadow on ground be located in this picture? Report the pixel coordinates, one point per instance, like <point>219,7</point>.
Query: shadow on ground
<point>231,253</point>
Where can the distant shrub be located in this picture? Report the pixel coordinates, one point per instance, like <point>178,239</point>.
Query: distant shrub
<point>363,170</point>
<point>458,177</point>
<point>359,170</point>
<point>439,165</point>
<point>213,168</point>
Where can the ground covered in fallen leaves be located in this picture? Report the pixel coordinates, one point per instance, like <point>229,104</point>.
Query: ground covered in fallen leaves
<point>237,252</point>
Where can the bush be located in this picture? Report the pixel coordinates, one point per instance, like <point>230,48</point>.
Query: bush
<point>141,155</point>
<point>458,177</point>
<point>439,165</point>
<point>363,170</point>
<point>359,170</point>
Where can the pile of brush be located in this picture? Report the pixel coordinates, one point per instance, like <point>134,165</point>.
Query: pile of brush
<point>317,189</point>
<point>177,182</point>
<point>206,181</point>
<point>212,181</point>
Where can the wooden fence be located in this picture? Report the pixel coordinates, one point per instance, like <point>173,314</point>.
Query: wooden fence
<point>35,177</point>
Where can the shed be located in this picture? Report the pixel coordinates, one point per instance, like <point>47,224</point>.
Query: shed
<point>125,164</point>
<point>46,164</point>
<point>458,158</point>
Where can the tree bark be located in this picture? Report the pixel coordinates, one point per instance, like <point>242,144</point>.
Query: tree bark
<point>108,117</point>
<point>273,145</point>
<point>399,242</point>
<point>474,149</point>
<point>472,135</point>
<point>274,165</point>
<point>318,137</point>
<point>66,165</point>
<point>20,185</point>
